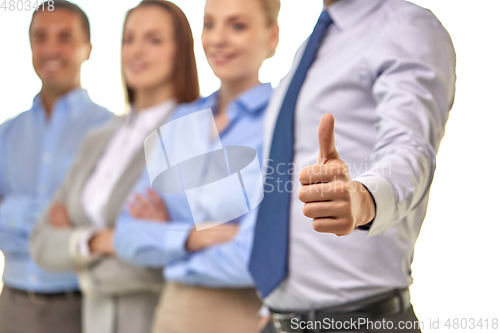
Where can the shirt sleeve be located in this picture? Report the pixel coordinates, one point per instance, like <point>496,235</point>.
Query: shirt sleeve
<point>12,241</point>
<point>153,244</point>
<point>414,86</point>
<point>18,213</point>
<point>13,225</point>
<point>150,244</point>
<point>220,266</point>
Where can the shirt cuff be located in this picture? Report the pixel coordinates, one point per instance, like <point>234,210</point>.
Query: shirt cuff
<point>385,203</point>
<point>176,237</point>
<point>264,312</point>
<point>79,245</point>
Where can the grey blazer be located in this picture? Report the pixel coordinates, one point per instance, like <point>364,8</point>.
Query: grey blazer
<point>50,247</point>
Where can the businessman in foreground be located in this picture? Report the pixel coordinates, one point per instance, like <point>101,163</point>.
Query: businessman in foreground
<point>383,72</point>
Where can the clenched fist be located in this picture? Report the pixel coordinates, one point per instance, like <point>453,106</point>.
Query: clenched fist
<point>335,202</point>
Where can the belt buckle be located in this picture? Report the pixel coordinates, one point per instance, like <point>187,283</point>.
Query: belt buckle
<point>277,319</point>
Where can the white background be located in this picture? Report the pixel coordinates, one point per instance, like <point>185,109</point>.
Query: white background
<point>456,266</point>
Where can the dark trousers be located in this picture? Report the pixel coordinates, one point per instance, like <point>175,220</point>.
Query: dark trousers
<point>27,314</point>
<point>406,318</point>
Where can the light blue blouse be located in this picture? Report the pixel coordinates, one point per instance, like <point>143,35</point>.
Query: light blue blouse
<point>145,243</point>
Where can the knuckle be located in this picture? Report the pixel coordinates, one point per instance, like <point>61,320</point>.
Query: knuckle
<point>338,188</point>
<point>319,225</point>
<point>344,207</point>
<point>344,168</point>
<point>307,210</point>
<point>318,172</point>
<point>325,188</point>
<point>334,169</point>
<point>302,194</point>
<point>305,175</point>
<point>339,169</point>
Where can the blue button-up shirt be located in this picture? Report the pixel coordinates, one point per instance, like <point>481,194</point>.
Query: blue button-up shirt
<point>35,154</point>
<point>150,244</point>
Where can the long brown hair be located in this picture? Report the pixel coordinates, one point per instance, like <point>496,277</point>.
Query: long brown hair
<point>185,73</point>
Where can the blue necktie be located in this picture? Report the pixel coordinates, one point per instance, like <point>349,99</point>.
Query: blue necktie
<point>269,259</point>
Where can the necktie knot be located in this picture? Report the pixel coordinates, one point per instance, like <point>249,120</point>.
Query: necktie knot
<point>325,19</point>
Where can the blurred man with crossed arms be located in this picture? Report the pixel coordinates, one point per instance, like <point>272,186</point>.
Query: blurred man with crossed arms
<point>36,150</point>
<point>334,240</point>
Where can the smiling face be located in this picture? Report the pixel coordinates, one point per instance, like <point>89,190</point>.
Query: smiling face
<point>148,49</point>
<point>237,38</point>
<point>59,47</point>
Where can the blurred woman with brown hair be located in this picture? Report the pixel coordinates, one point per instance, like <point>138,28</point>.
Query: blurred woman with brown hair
<point>159,72</point>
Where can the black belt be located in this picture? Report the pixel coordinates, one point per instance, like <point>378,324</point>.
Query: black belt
<point>371,308</point>
<point>45,297</point>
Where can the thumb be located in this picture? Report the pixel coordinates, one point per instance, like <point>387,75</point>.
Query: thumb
<point>326,138</point>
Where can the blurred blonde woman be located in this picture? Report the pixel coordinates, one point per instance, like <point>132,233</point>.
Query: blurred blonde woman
<point>208,287</point>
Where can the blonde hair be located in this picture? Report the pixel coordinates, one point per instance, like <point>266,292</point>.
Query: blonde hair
<point>271,9</point>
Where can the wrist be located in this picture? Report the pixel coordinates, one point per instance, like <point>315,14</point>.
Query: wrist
<point>192,242</point>
<point>366,205</point>
<point>79,247</point>
<point>94,243</point>
<point>102,242</point>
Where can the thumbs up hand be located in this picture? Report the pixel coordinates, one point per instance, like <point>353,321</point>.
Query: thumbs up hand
<point>336,203</point>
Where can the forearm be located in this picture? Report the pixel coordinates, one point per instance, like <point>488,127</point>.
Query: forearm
<point>150,244</point>
<point>414,87</point>
<point>398,182</point>
<point>54,248</point>
<point>17,216</point>
<point>19,212</point>
<point>50,247</point>
<point>220,266</point>
<point>13,242</point>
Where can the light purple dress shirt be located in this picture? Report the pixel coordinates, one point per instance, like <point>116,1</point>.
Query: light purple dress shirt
<point>386,72</point>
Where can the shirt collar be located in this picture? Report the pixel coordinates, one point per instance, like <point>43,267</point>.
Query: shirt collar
<point>150,117</point>
<point>255,98</point>
<point>346,13</point>
<point>251,100</point>
<point>73,103</point>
